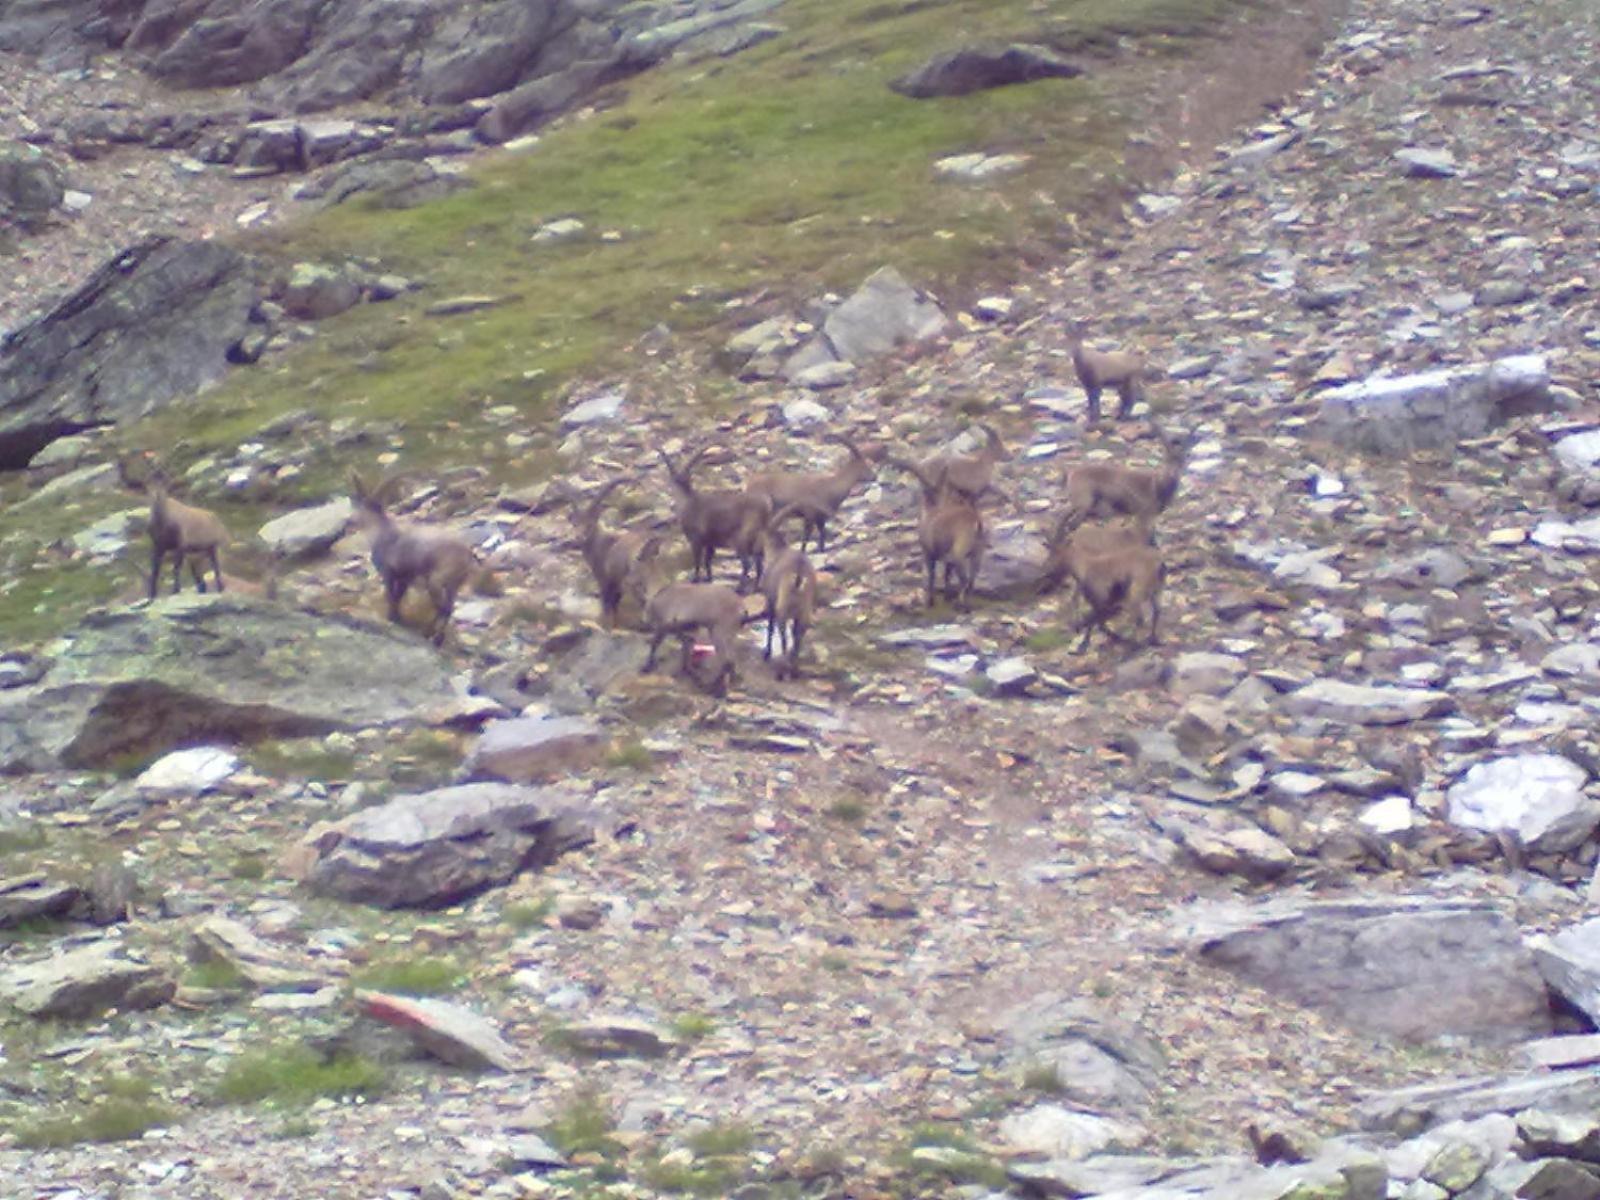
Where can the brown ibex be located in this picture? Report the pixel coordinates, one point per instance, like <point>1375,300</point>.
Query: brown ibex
<point>614,559</point>
<point>951,534</point>
<point>789,583</point>
<point>712,520</point>
<point>180,530</point>
<point>1097,370</point>
<point>1115,570</point>
<point>402,555</point>
<point>683,609</point>
<point>972,474</point>
<point>815,496</point>
<point>1096,489</point>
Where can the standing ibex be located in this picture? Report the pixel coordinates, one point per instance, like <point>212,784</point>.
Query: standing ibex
<point>789,583</point>
<point>815,496</point>
<point>683,609</point>
<point>711,520</point>
<point>402,555</point>
<point>181,530</point>
<point>1110,489</point>
<point>614,559</point>
<point>1116,569</point>
<point>972,474</point>
<point>952,533</point>
<point>1100,369</point>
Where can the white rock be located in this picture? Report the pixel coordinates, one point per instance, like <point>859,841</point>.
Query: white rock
<point>1363,704</point>
<point>593,411</point>
<point>1398,414</point>
<point>1537,797</point>
<point>1570,964</point>
<point>1060,1132</point>
<point>564,230</point>
<point>804,412</point>
<point>1389,816</point>
<point>193,771</point>
<point>1426,163</point>
<point>308,530</point>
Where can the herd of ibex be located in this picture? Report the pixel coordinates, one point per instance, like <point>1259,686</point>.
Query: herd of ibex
<point>1103,542</point>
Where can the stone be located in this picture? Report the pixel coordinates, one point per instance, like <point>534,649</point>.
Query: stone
<point>883,314</point>
<point>1390,816</point>
<point>84,982</point>
<point>1400,414</point>
<point>1426,163</point>
<point>1560,1179</point>
<point>436,848</point>
<point>1097,1059</point>
<point>34,896</point>
<point>1058,1132</point>
<point>449,1032</point>
<point>308,532</point>
<point>1564,1135</point>
<point>1573,1050</point>
<point>1458,1165</point>
<point>314,292</point>
<point>392,183</point>
<point>1573,660</point>
<point>534,749</point>
<point>1538,798</point>
<point>31,185</point>
<point>188,772</point>
<point>148,679</point>
<point>977,168</point>
<point>1364,704</point>
<point>1203,673</point>
<point>822,376</point>
<point>804,412</point>
<point>156,322</point>
<point>595,411</point>
<point>974,69</point>
<point>1438,567</point>
<point>1013,565</point>
<point>1010,676</point>
<point>617,1037</point>
<point>1100,1174</point>
<point>1250,852</point>
<point>222,939</point>
<point>1415,968</point>
<point>1570,963</point>
<point>1575,1090</point>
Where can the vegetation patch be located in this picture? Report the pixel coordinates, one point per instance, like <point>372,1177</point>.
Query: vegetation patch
<point>943,1152</point>
<point>528,914</point>
<point>293,1074</point>
<point>583,1130</point>
<point>691,1027</point>
<point>631,754</point>
<point>425,976</point>
<point>118,1108</point>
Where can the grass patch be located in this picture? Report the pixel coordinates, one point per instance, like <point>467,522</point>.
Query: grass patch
<point>301,758</point>
<point>123,1107</point>
<point>849,810</point>
<point>424,976</point>
<point>21,838</point>
<point>942,1152</point>
<point>218,973</point>
<point>1043,641</point>
<point>248,867</point>
<point>714,1178</point>
<point>691,1027</point>
<point>582,1129</point>
<point>528,914</point>
<point>631,754</point>
<point>721,1140</point>
<point>1042,1077</point>
<point>292,1074</point>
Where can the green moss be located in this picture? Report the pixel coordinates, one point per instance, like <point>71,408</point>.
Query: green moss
<point>584,1126</point>
<point>631,754</point>
<point>528,914</point>
<point>301,758</point>
<point>218,973</point>
<point>721,1140</point>
<point>118,1108</point>
<point>412,976</point>
<point>691,1027</point>
<point>293,1074</point>
<point>20,838</point>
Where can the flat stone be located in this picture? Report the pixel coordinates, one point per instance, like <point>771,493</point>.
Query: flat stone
<point>222,939</point>
<point>1538,798</point>
<point>535,749</point>
<point>1573,1050</point>
<point>1427,164</point>
<point>85,982</point>
<point>1205,673</point>
<point>1408,1108</point>
<point>189,772</point>
<point>1010,676</point>
<point>1364,704</point>
<point>35,896</point>
<point>617,1037</point>
<point>1568,1135</point>
<point>822,376</point>
<point>595,411</point>
<point>449,1032</point>
<point>1059,1132</point>
<point>1249,852</point>
<point>308,531</point>
<point>1399,414</point>
<point>1570,963</point>
<point>884,313</point>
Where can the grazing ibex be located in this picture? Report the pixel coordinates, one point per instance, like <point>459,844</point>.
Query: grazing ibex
<point>614,559</point>
<point>402,555</point>
<point>1115,570</point>
<point>181,530</point>
<point>1097,489</point>
<point>682,609</point>
<point>789,583</point>
<point>815,496</point>
<point>971,475</point>
<point>951,534</point>
<point>1097,370</point>
<point>712,520</point>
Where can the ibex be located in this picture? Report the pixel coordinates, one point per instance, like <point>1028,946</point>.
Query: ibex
<point>1114,570</point>
<point>712,520</point>
<point>971,475</point>
<point>1097,489</point>
<point>181,530</point>
<point>614,559</point>
<point>683,609</point>
<point>402,555</point>
<point>789,583</point>
<point>1097,370</point>
<point>815,496</point>
<point>951,534</point>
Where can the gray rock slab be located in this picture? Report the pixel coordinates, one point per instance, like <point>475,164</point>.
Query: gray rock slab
<point>884,313</point>
<point>978,68</point>
<point>217,667</point>
<point>1427,163</point>
<point>447,1031</point>
<point>1204,673</point>
<point>1568,1135</point>
<point>534,749</point>
<point>1570,963</point>
<point>1415,968</point>
<point>1366,704</point>
<point>1573,1050</point>
<point>307,532</point>
<point>1438,408</point>
<point>1013,565</point>
<point>154,323</point>
<point>1410,1108</point>
<point>1059,1132</point>
<point>1538,798</point>
<point>618,1037</point>
<point>35,896</point>
<point>222,939</point>
<point>435,848</point>
<point>84,982</point>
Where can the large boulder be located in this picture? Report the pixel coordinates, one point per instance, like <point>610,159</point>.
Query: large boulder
<point>84,983</point>
<point>224,43</point>
<point>1415,968</point>
<point>1438,408</point>
<point>155,323</point>
<point>977,68</point>
<point>533,749</point>
<point>884,313</point>
<point>1536,798</point>
<point>212,667</point>
<point>1570,963</point>
<point>435,848</point>
<point>31,185</point>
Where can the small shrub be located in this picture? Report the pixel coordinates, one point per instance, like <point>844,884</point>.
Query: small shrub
<point>691,1179</point>
<point>849,810</point>
<point>217,973</point>
<point>834,961</point>
<point>720,1141</point>
<point>632,754</point>
<point>125,1108</point>
<point>412,976</point>
<point>691,1027</point>
<point>1042,641</point>
<point>1042,1077</point>
<point>528,914</point>
<point>584,1126</point>
<point>249,867</point>
<point>295,1074</point>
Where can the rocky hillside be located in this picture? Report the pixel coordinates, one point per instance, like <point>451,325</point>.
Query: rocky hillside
<point>1291,903</point>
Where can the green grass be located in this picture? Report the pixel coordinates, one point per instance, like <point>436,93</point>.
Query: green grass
<point>583,1127</point>
<point>691,1027</point>
<point>121,1107</point>
<point>848,809</point>
<point>301,758</point>
<point>425,976</point>
<point>721,1140</point>
<point>631,754</point>
<point>1042,641</point>
<point>528,914</point>
<point>958,1158</point>
<point>1042,1077</point>
<point>22,837</point>
<point>218,973</point>
<point>290,1075</point>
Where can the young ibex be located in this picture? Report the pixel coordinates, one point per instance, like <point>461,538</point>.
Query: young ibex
<point>815,496</point>
<point>1097,370</point>
<point>683,609</point>
<point>402,555</point>
<point>1108,489</point>
<point>181,530</point>
<point>971,475</point>
<point>614,559</point>
<point>712,520</point>
<point>952,533</point>
<point>1115,569</point>
<point>789,583</point>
